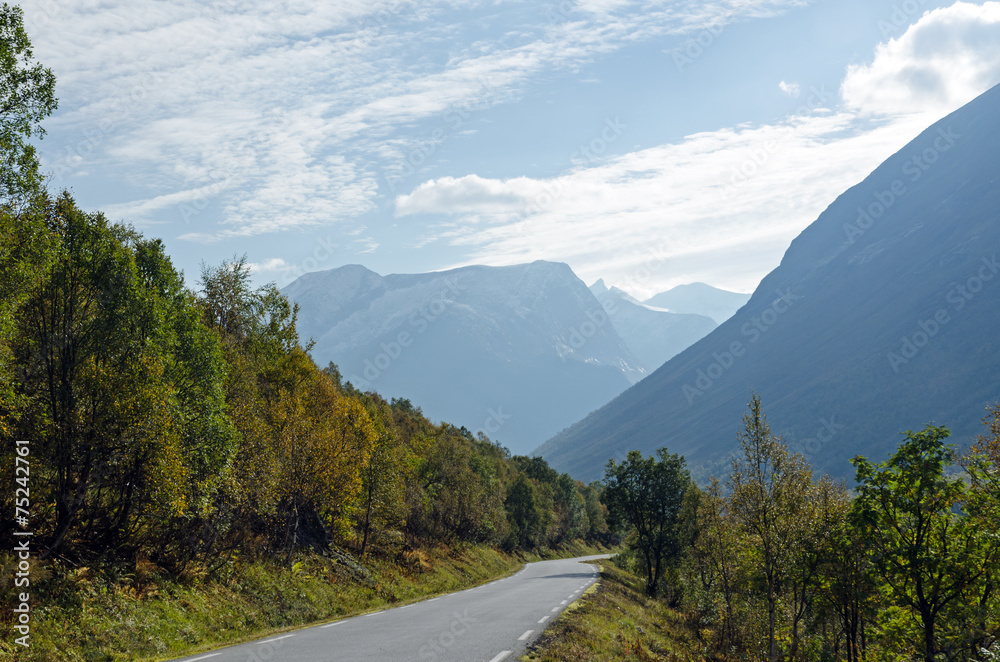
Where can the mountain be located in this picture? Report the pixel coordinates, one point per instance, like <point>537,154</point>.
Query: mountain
<point>700,299</point>
<point>652,334</point>
<point>881,317</point>
<point>516,352</point>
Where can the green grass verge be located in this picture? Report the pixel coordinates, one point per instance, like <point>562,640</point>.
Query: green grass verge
<point>615,620</point>
<point>143,615</point>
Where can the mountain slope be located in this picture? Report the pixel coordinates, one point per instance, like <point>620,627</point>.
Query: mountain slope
<point>653,335</point>
<point>882,316</point>
<point>516,352</point>
<point>700,299</point>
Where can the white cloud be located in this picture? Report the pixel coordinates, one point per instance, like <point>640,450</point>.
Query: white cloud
<point>273,265</point>
<point>470,195</point>
<point>943,61</point>
<point>791,89</point>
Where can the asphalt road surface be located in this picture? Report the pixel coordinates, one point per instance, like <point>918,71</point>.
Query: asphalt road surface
<point>489,623</point>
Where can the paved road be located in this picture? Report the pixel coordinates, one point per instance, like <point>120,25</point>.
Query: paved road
<point>489,623</point>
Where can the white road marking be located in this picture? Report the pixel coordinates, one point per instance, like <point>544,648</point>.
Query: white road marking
<point>330,625</point>
<point>500,656</point>
<point>525,635</point>
<point>271,641</point>
<point>543,619</point>
<point>203,657</point>
<point>556,608</point>
<point>563,602</point>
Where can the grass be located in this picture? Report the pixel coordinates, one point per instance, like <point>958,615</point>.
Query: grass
<point>615,620</point>
<point>83,615</point>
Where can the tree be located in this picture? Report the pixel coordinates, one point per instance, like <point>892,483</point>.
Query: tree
<point>648,495</point>
<point>769,489</point>
<point>524,513</point>
<point>121,383</point>
<point>982,463</point>
<point>382,477</point>
<point>813,546</point>
<point>27,96</point>
<point>927,553</point>
<point>715,553</point>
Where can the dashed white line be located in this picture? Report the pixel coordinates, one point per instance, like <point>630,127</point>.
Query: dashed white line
<point>500,656</point>
<point>330,625</point>
<point>271,641</point>
<point>556,608</point>
<point>543,619</point>
<point>203,657</point>
<point>433,599</point>
<point>374,613</point>
<point>525,635</point>
<point>563,602</point>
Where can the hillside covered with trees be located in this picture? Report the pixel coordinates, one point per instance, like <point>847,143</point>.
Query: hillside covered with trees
<point>776,563</point>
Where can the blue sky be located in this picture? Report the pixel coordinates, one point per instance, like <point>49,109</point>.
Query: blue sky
<point>647,143</point>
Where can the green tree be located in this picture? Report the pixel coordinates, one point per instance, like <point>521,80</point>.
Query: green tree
<point>122,385</point>
<point>648,495</point>
<point>925,551</point>
<point>27,96</point>
<point>524,512</point>
<point>716,553</point>
<point>982,464</point>
<point>770,488</point>
<point>382,476</point>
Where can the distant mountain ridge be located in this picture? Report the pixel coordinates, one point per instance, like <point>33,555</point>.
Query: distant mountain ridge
<point>700,299</point>
<point>516,352</point>
<point>881,317</point>
<point>653,335</point>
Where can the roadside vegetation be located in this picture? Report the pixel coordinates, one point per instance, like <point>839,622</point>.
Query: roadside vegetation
<point>775,563</point>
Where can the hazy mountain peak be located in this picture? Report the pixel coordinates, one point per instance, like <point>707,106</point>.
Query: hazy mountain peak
<point>517,352</point>
<point>700,299</point>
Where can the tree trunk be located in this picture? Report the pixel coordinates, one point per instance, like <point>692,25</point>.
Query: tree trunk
<point>930,649</point>
<point>368,523</point>
<point>772,617</point>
